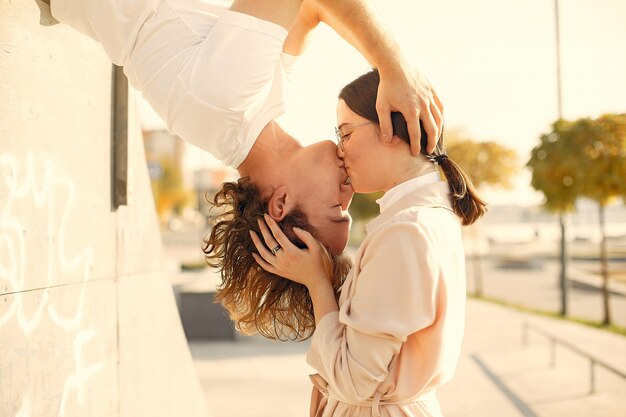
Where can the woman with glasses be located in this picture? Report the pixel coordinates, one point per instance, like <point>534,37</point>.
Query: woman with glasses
<point>394,334</point>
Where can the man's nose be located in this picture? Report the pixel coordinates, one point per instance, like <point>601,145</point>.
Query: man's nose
<point>340,153</point>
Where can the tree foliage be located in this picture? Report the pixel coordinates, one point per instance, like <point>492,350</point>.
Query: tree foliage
<point>586,157</point>
<point>487,163</point>
<point>603,146</point>
<point>554,164</point>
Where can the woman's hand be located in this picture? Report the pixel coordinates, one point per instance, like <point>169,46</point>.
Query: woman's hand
<point>308,266</point>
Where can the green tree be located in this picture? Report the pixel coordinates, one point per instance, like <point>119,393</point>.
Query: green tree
<point>602,144</point>
<point>487,163</point>
<point>555,172</point>
<point>584,158</point>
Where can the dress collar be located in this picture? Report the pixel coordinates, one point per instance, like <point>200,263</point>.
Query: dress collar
<point>396,193</point>
<point>428,195</point>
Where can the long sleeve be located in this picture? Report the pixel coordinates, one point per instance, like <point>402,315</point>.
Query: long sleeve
<point>395,296</point>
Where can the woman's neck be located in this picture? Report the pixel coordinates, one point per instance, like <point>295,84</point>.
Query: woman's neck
<point>412,167</point>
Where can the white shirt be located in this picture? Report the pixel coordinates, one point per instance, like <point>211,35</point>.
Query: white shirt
<point>216,77</point>
<point>399,191</point>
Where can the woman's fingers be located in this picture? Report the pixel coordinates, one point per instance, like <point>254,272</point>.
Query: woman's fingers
<point>264,264</point>
<point>304,266</point>
<point>278,234</point>
<point>306,237</point>
<point>267,235</point>
<point>265,254</point>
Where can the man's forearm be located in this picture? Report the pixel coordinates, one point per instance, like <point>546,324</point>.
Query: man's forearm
<point>359,23</point>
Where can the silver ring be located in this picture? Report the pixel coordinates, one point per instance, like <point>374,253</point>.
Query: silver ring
<point>276,249</point>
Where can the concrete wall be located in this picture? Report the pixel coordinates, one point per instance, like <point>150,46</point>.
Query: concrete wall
<point>88,321</point>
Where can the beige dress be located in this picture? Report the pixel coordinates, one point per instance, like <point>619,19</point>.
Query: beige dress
<point>397,335</point>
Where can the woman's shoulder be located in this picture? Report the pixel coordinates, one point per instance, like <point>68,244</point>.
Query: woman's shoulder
<point>421,218</point>
<point>415,226</point>
<point>398,230</point>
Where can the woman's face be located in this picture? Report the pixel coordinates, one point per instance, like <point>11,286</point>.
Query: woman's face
<point>362,150</point>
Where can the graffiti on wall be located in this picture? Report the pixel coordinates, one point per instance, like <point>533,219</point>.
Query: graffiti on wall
<point>39,255</point>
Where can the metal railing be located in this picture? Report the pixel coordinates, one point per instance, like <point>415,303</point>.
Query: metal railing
<point>593,361</point>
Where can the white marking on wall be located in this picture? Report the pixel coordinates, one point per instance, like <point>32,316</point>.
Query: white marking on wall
<point>76,381</point>
<point>42,190</point>
<point>37,196</point>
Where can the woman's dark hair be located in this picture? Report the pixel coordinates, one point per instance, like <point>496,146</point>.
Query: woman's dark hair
<point>259,301</point>
<point>360,96</point>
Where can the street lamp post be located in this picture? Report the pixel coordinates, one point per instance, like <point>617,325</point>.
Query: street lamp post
<point>563,275</point>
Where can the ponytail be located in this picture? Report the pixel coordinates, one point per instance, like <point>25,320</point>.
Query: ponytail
<point>465,201</point>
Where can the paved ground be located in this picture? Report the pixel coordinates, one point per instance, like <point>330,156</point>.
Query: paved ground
<point>539,288</point>
<point>497,375</point>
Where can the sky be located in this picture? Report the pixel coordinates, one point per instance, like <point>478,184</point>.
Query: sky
<point>492,63</point>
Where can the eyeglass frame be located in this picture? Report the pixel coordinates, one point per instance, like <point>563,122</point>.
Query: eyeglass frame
<point>340,136</point>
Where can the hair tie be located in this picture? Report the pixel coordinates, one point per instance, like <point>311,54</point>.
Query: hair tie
<point>438,159</point>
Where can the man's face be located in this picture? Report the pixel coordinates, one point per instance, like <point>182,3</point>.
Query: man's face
<point>321,192</point>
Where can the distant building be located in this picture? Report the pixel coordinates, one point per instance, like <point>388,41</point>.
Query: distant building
<point>162,146</point>
<point>206,182</point>
<point>167,151</point>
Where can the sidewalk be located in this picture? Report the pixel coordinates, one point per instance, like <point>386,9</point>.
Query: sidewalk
<point>539,288</point>
<point>496,376</point>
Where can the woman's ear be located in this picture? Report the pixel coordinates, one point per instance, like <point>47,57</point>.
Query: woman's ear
<point>280,203</point>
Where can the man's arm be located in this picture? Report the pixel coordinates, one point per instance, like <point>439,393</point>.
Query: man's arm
<point>307,19</point>
<point>401,88</point>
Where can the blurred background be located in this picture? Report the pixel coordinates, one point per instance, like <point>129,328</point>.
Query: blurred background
<point>106,302</point>
<point>535,99</point>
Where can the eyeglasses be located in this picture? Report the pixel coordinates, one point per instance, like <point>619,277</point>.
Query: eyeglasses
<point>343,137</point>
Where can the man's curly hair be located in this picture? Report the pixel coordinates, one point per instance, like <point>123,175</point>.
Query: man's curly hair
<point>259,301</point>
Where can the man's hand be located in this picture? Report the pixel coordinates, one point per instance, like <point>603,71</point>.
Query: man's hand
<point>401,89</point>
<point>412,95</point>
